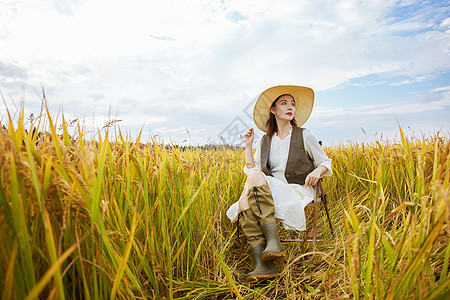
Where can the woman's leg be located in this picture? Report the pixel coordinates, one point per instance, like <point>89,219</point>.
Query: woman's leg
<point>243,201</point>
<point>260,200</point>
<point>254,178</point>
<point>254,233</point>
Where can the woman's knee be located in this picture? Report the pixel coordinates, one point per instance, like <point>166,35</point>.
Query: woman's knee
<point>255,178</point>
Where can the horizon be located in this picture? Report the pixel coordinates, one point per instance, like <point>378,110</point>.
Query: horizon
<point>113,126</point>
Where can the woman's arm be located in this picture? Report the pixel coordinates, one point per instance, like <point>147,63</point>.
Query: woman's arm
<point>315,175</point>
<point>248,140</point>
<point>321,161</point>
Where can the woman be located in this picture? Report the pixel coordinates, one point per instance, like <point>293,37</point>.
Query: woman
<point>287,164</point>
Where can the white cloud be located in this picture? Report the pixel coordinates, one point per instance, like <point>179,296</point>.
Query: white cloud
<point>413,80</point>
<point>445,23</point>
<point>178,64</point>
<point>383,109</point>
<point>441,89</point>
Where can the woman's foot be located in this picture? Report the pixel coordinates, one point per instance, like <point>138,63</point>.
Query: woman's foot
<point>263,270</point>
<point>274,249</point>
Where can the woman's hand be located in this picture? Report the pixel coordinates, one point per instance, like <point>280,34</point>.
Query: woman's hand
<point>315,175</point>
<point>248,137</point>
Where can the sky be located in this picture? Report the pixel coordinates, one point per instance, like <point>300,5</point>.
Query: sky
<point>189,72</point>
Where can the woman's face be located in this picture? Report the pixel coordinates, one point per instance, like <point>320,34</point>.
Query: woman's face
<point>284,108</point>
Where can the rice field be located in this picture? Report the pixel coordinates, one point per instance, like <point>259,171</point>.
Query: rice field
<point>113,218</point>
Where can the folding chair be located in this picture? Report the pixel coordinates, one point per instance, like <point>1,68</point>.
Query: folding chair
<point>319,195</point>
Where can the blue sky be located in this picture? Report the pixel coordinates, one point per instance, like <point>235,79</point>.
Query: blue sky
<point>189,71</point>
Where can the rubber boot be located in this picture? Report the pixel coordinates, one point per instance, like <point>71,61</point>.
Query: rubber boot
<point>263,270</point>
<point>255,237</point>
<point>274,249</point>
<point>261,203</point>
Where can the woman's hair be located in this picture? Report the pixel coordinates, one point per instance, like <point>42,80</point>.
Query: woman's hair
<point>271,123</point>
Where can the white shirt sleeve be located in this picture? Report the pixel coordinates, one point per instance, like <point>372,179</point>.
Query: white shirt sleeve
<point>315,151</point>
<point>256,158</point>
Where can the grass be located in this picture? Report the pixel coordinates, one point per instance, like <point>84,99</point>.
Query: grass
<point>115,218</point>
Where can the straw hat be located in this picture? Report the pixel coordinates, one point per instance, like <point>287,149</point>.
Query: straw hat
<point>304,100</point>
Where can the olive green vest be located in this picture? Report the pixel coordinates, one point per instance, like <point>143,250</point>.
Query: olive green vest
<point>298,165</point>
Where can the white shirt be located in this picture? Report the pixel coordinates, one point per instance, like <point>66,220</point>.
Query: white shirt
<point>279,151</point>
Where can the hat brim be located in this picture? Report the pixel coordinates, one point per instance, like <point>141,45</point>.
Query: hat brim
<point>304,101</point>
